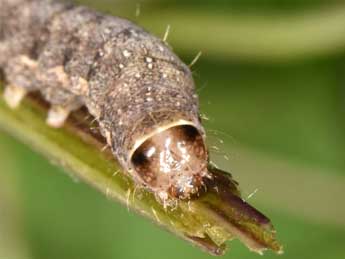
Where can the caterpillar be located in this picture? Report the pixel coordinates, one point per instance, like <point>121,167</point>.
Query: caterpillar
<point>142,95</point>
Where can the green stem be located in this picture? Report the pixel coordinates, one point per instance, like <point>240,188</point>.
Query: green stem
<point>12,244</point>
<point>79,150</point>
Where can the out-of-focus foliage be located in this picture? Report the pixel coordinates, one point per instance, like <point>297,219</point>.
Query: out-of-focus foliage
<point>282,122</point>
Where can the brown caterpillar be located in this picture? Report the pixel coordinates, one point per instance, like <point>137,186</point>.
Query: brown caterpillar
<point>139,91</point>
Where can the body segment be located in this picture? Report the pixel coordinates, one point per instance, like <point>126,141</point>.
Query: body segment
<point>143,98</point>
<point>138,90</point>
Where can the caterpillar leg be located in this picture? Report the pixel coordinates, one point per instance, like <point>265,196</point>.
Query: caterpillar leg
<point>62,103</point>
<point>57,116</point>
<point>56,83</point>
<point>20,72</point>
<point>13,95</point>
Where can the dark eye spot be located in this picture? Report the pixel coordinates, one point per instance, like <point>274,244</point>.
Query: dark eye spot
<point>144,166</point>
<point>190,132</point>
<point>139,158</point>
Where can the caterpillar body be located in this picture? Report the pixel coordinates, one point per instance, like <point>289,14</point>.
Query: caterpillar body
<point>142,95</point>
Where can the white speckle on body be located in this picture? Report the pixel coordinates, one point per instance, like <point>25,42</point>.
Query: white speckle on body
<point>148,59</point>
<point>126,53</point>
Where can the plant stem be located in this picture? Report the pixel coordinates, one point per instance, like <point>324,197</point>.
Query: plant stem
<point>12,244</point>
<point>78,149</point>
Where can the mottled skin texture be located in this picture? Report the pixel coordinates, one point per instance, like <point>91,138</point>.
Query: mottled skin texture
<point>129,80</point>
<point>176,155</point>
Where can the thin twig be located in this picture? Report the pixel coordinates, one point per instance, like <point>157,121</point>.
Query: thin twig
<point>77,148</point>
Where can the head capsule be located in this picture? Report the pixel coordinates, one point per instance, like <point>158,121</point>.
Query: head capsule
<point>173,162</point>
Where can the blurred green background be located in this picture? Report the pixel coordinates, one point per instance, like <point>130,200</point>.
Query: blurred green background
<point>272,85</point>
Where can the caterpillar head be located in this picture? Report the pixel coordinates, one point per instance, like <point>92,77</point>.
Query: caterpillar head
<point>172,162</point>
